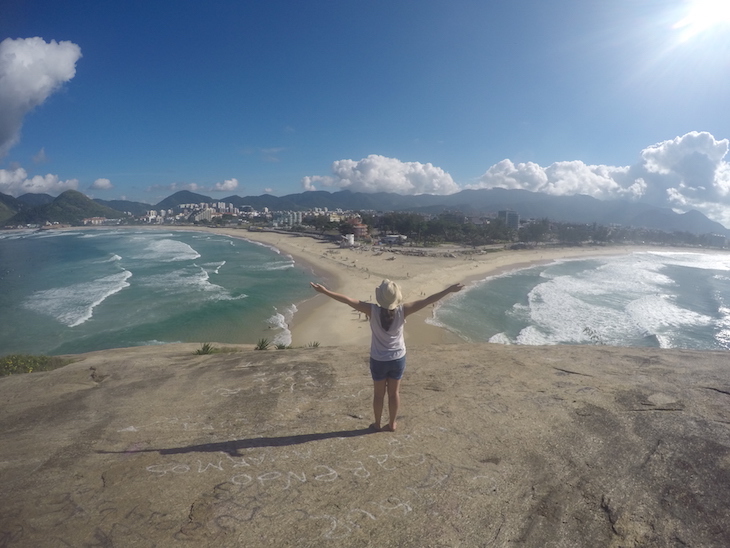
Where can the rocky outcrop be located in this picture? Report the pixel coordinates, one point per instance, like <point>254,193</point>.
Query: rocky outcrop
<point>496,446</point>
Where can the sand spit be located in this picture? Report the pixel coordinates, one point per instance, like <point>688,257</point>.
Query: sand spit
<point>420,272</point>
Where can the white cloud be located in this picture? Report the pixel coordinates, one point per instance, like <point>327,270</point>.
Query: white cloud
<point>561,179</point>
<point>31,69</point>
<point>175,187</point>
<point>228,185</point>
<point>16,183</point>
<point>688,172</point>
<point>380,174</point>
<point>692,165</point>
<point>102,184</point>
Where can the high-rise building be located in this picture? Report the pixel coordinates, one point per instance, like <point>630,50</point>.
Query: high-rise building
<point>510,218</point>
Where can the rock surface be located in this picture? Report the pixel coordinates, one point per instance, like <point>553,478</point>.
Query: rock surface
<point>496,446</point>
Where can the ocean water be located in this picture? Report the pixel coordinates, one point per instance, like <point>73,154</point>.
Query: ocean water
<point>649,299</point>
<point>77,291</point>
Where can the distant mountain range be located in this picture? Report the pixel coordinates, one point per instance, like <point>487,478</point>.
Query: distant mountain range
<point>72,206</point>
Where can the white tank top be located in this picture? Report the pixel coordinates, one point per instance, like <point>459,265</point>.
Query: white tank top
<point>387,345</point>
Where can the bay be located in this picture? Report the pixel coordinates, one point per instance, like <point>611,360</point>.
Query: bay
<point>78,291</point>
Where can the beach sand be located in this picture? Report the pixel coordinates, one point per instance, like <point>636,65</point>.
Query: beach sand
<point>419,271</point>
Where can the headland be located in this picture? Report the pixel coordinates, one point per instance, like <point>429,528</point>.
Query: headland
<point>497,445</point>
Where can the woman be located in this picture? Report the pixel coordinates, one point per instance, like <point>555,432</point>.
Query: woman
<point>387,345</point>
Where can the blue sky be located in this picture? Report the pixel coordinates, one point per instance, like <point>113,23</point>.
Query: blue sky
<point>136,100</point>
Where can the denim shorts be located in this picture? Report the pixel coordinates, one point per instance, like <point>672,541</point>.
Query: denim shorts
<point>392,369</point>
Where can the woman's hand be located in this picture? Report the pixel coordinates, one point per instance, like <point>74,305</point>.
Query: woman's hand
<point>354,303</point>
<point>319,288</point>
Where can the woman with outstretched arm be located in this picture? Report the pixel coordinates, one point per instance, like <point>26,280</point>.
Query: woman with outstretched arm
<point>387,345</point>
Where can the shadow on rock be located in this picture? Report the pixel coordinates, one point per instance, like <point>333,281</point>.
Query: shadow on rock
<point>233,447</point>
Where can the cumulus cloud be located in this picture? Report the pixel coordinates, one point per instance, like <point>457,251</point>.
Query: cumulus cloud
<point>228,185</point>
<point>175,187</point>
<point>31,69</point>
<point>562,179</point>
<point>688,169</point>
<point>688,172</point>
<point>16,183</point>
<point>381,174</point>
<point>102,184</point>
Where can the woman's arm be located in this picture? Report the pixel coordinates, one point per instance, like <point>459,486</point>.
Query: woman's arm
<point>415,306</point>
<point>360,306</point>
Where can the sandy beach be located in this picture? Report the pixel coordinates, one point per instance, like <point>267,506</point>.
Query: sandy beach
<point>419,272</point>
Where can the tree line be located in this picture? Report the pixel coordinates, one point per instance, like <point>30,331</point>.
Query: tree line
<point>454,228</point>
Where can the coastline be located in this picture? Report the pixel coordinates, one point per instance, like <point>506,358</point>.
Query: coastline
<point>419,271</point>
<point>356,272</point>
<point>580,444</point>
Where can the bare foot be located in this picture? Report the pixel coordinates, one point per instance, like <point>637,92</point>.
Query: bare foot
<point>375,427</point>
<point>389,428</point>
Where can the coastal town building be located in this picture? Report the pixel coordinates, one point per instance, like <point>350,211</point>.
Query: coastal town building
<point>510,218</point>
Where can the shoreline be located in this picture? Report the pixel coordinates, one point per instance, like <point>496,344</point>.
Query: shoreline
<point>419,272</point>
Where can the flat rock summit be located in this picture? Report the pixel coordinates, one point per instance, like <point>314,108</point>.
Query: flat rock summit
<point>559,446</point>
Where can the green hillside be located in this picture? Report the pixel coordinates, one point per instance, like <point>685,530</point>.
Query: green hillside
<point>9,207</point>
<point>71,207</point>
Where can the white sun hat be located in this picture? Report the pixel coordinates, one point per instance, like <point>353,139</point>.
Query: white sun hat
<point>388,295</point>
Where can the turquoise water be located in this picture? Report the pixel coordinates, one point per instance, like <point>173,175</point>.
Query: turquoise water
<point>77,291</point>
<point>655,299</point>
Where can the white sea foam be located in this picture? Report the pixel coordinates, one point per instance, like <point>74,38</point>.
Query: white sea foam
<point>145,235</point>
<point>616,300</point>
<point>500,338</point>
<point>533,336</point>
<point>182,280</point>
<point>261,244</point>
<point>215,267</point>
<point>280,322</point>
<point>74,304</point>
<point>167,250</point>
<point>708,261</point>
<point>209,238</point>
<point>722,334</point>
<point>270,266</point>
<point>626,299</point>
<point>56,234</point>
<point>15,234</point>
<point>652,313</point>
<point>194,278</point>
<point>664,341</point>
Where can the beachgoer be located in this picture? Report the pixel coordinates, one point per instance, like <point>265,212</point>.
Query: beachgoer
<point>387,346</point>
